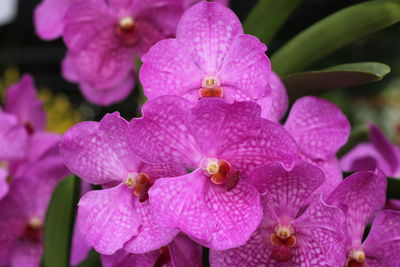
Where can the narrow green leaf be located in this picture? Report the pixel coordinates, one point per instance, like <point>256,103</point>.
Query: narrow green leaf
<point>334,32</point>
<point>59,223</point>
<point>393,188</point>
<point>268,16</point>
<point>336,77</point>
<point>93,260</point>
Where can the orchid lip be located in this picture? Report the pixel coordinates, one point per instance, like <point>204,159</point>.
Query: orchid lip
<point>211,87</point>
<point>140,184</point>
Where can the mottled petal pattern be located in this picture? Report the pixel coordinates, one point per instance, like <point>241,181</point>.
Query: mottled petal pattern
<point>107,218</point>
<point>363,195</point>
<point>318,126</point>
<point>214,217</point>
<point>287,188</point>
<point>382,246</point>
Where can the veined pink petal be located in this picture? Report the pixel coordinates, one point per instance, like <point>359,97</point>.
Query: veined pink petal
<point>288,189</point>
<point>79,247</point>
<point>218,125</point>
<point>363,157</point>
<point>108,96</point>
<point>149,35</point>
<point>48,18</point>
<point>207,30</point>
<point>13,137</point>
<point>168,69</point>
<point>385,148</point>
<point>27,254</point>
<point>107,218</point>
<point>318,126</point>
<point>163,135</point>
<point>121,258</point>
<point>42,144</point>
<point>21,100</point>
<point>382,246</point>
<point>152,235</point>
<point>95,153</point>
<point>272,144</point>
<point>275,101</point>
<point>246,68</point>
<point>363,195</point>
<point>185,252</point>
<point>319,236</point>
<point>68,69</point>
<point>210,214</point>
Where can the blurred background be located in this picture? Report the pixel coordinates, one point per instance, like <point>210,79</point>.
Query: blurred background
<point>22,51</point>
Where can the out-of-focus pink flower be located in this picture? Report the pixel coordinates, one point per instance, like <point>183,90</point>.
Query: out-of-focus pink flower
<point>21,121</point>
<point>179,253</point>
<point>220,143</point>
<point>210,57</point>
<point>119,216</point>
<point>380,153</point>
<point>361,197</point>
<point>320,129</point>
<point>103,36</point>
<point>291,233</point>
<point>48,18</point>
<point>31,182</point>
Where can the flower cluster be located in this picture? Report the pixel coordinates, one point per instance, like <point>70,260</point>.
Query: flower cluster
<point>209,163</point>
<point>30,168</point>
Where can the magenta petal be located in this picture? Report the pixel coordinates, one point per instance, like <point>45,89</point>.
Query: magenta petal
<point>151,235</point>
<point>318,126</point>
<point>382,246</point>
<point>246,68</point>
<point>287,189</point>
<point>27,254</point>
<point>3,183</point>
<point>385,148</point>
<point>363,157</point>
<point>21,100</point>
<point>208,30</point>
<point>275,102</point>
<point>68,69</point>
<point>42,144</point>
<point>254,253</point>
<point>108,96</point>
<point>83,21</point>
<point>122,258</point>
<point>319,235</point>
<point>13,137</point>
<point>206,212</point>
<point>168,69</point>
<point>79,248</point>
<point>107,218</point>
<point>94,152</point>
<point>163,135</point>
<point>218,125</point>
<point>149,35</point>
<point>272,144</point>
<point>49,18</point>
<point>363,195</point>
<point>185,252</point>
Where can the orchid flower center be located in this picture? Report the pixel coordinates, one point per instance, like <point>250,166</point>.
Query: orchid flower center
<point>211,87</point>
<point>356,258</point>
<point>140,184</point>
<point>33,229</point>
<point>220,172</point>
<point>126,31</point>
<point>283,240</point>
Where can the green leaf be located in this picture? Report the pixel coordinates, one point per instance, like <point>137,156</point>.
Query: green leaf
<point>267,17</point>
<point>336,77</point>
<point>60,222</point>
<point>393,188</point>
<point>334,32</point>
<point>93,260</point>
